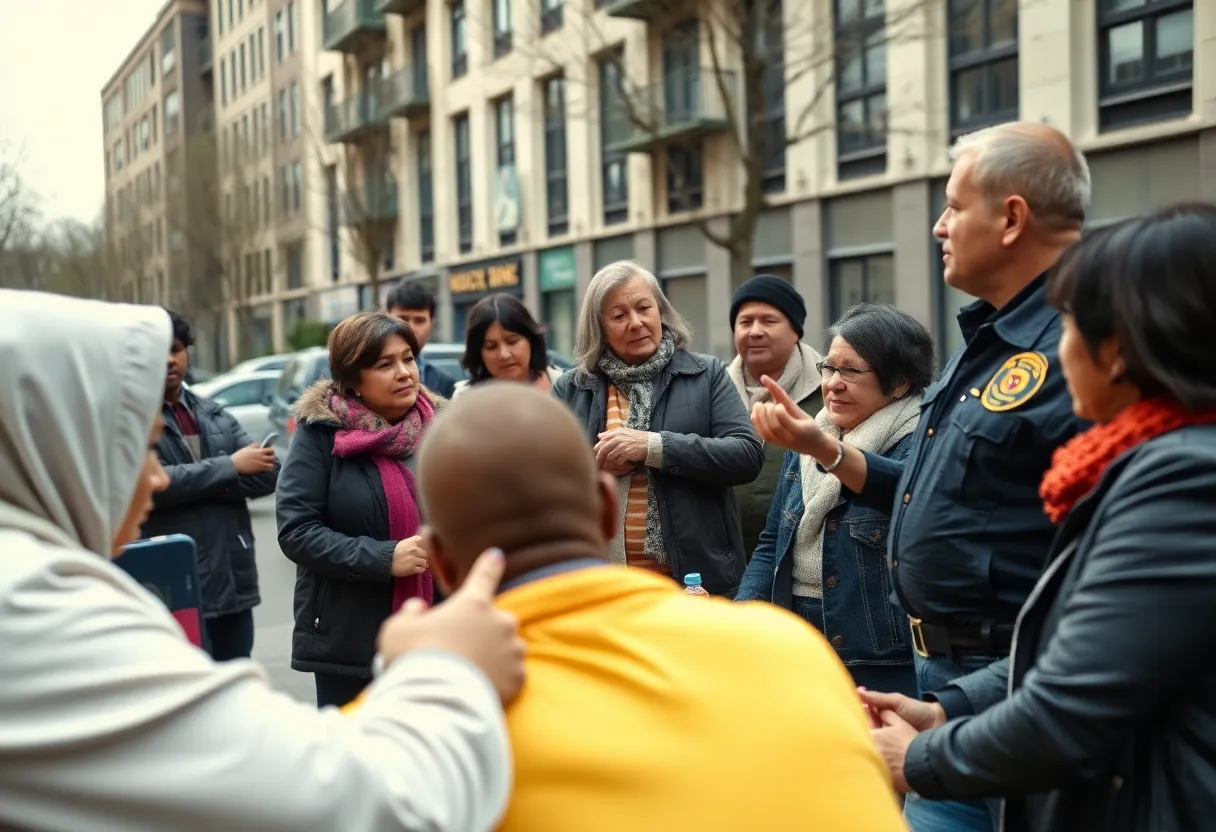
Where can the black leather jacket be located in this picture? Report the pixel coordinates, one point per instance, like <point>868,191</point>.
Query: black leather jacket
<point>1110,718</point>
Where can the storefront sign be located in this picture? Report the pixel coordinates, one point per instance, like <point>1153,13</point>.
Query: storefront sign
<point>556,269</point>
<point>484,278</point>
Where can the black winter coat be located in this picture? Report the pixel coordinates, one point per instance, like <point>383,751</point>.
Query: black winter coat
<point>333,524</point>
<point>709,446</point>
<point>1109,715</point>
<point>206,500</point>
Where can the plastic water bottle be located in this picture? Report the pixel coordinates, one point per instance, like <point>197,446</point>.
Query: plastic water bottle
<point>692,584</point>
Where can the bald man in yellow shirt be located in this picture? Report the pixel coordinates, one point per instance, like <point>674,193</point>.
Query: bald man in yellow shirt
<point>644,708</point>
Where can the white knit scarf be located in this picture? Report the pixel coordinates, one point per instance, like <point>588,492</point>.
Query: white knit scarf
<point>820,491</point>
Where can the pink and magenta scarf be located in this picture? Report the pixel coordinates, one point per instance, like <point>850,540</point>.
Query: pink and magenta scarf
<point>362,432</point>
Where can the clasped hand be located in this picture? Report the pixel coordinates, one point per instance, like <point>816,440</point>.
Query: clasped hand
<point>621,451</point>
<point>895,720</point>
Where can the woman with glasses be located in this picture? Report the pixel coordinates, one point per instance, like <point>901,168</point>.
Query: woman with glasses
<point>820,554</point>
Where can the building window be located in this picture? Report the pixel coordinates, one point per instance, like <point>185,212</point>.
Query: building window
<point>168,48</point>
<point>292,179</point>
<point>557,196</point>
<point>502,27</point>
<point>284,115</point>
<point>464,184</point>
<point>244,77</point>
<point>261,52</point>
<point>1146,53</point>
<point>550,15</point>
<point>280,36</point>
<point>854,280</point>
<point>332,219</point>
<point>293,264</point>
<point>983,63</point>
<point>770,36</point>
<point>267,272</point>
<point>232,74</point>
<point>460,45</point>
<point>171,110</point>
<point>861,88</point>
<point>426,199</point>
<point>685,178</point>
<point>292,27</point>
<point>266,198</point>
<point>294,107</point>
<point>614,167</point>
<point>504,141</point>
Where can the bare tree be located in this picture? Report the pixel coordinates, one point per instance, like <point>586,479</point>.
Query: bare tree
<point>756,50</point>
<point>214,217</point>
<point>79,260</point>
<point>20,256</point>
<point>358,136</point>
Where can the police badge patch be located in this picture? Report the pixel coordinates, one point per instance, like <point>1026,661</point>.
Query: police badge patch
<point>1016,382</point>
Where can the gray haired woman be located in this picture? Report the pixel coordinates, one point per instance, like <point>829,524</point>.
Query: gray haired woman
<point>668,424</point>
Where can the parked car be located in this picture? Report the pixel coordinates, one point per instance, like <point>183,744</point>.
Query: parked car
<point>302,370</point>
<point>266,362</point>
<point>447,358</point>
<point>246,396</point>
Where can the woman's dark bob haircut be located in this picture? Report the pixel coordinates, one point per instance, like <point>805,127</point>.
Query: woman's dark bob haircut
<point>896,346</point>
<point>514,317</point>
<point>1150,283</point>
<point>357,343</point>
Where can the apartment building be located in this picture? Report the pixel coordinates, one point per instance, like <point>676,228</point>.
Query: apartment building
<point>152,108</point>
<point>513,170</point>
<point>262,150</point>
<point>494,145</point>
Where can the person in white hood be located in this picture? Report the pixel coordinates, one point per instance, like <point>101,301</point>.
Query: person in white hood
<point>111,720</point>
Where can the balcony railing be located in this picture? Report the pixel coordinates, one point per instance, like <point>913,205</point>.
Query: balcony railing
<point>374,204</point>
<point>204,56</point>
<point>635,9</point>
<point>402,7</point>
<point>404,93</point>
<point>358,116</point>
<point>684,105</point>
<point>352,25</point>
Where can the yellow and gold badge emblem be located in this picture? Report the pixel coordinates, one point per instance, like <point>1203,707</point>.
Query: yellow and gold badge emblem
<point>1016,382</point>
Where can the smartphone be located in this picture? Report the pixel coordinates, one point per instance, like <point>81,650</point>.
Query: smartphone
<point>268,442</point>
<point>168,568</point>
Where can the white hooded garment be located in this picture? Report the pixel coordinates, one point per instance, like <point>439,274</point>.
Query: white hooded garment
<point>109,718</point>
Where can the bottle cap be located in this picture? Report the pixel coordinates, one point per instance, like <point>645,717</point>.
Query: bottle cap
<point>692,579</point>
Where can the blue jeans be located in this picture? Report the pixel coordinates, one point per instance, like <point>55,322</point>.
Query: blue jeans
<point>887,678</point>
<point>949,815</point>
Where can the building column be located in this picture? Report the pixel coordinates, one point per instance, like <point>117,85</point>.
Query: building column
<point>584,267</point>
<point>443,302</point>
<point>645,249</point>
<point>807,222</point>
<point>913,244</point>
<point>531,280</point>
<point>720,341</point>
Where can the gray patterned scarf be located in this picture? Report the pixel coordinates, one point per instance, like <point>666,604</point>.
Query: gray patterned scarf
<point>637,382</point>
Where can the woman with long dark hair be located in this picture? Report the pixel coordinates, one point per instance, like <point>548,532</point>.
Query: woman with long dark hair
<point>505,342</point>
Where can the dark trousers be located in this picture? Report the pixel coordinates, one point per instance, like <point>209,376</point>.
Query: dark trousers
<point>230,636</point>
<point>338,690</point>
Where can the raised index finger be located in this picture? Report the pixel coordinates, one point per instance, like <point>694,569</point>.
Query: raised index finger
<point>483,579</point>
<point>779,395</point>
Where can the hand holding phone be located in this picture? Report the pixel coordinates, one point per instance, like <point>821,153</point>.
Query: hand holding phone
<point>269,441</point>
<point>253,459</point>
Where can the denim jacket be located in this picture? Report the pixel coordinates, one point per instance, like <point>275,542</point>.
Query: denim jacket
<point>860,620</point>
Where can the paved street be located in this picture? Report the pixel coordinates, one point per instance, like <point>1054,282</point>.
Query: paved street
<point>277,575</point>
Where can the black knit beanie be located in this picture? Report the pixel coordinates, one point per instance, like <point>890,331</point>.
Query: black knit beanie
<point>770,289</point>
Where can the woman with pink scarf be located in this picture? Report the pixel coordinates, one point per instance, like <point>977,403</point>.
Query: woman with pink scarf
<point>347,504</point>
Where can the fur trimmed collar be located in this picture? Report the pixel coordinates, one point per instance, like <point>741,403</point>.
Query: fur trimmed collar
<point>311,407</point>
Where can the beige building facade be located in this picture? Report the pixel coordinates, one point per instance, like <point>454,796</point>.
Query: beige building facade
<point>482,145</point>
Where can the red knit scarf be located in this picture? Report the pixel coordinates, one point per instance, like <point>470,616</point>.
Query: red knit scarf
<point>1078,464</point>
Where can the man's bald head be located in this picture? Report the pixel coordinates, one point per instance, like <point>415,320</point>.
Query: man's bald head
<point>509,466</point>
<point>1034,161</point>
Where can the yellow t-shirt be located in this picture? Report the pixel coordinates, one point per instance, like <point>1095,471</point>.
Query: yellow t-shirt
<point>648,709</point>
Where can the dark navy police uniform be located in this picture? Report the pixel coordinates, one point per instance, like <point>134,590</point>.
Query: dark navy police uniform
<point>968,535</point>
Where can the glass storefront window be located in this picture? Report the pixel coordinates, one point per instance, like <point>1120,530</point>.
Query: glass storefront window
<point>559,312</point>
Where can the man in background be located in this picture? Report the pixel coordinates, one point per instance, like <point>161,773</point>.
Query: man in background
<point>213,470</point>
<point>413,303</point>
<point>767,316</point>
<point>639,697</point>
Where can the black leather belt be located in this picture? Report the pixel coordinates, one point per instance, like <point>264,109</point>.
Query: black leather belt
<point>987,638</point>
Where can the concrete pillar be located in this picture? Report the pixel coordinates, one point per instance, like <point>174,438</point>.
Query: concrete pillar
<point>913,243</point>
<point>809,276</point>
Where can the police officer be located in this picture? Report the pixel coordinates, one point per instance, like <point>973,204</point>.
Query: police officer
<point>968,535</point>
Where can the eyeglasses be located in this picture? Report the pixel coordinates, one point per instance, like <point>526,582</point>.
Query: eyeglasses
<point>848,374</point>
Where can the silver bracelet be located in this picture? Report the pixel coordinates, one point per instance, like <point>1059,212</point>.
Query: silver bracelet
<point>836,463</point>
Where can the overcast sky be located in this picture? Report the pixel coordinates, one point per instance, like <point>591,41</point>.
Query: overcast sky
<point>55,55</point>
